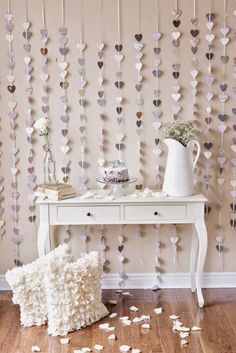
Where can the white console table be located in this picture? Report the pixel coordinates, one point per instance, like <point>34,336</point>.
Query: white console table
<point>131,210</point>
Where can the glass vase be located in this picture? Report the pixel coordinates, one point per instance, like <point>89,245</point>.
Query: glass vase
<point>49,164</point>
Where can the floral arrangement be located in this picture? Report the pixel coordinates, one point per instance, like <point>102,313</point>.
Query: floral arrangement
<point>181,131</point>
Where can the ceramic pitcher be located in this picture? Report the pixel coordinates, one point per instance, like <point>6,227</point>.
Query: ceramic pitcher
<point>178,180</point>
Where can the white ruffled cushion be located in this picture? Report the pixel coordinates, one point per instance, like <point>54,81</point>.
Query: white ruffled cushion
<point>27,284</point>
<point>74,296</point>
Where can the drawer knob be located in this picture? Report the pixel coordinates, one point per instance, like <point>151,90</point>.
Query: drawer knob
<point>88,214</point>
<point>156,213</point>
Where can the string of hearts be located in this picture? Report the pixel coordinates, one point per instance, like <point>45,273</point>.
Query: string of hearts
<point>233,149</point>
<point>2,222</point>
<point>157,73</point>
<point>101,101</point>
<point>119,84</point>
<point>139,101</point>
<point>176,34</point>
<point>157,284</point>
<point>64,84</point>
<point>84,238</point>
<point>121,258</point>
<point>209,80</point>
<point>12,114</point>
<point>103,248</point>
<point>194,41</point>
<point>29,121</point>
<point>83,164</point>
<point>223,98</point>
<point>174,240</point>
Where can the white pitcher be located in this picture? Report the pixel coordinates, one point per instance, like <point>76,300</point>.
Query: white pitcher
<point>178,180</point>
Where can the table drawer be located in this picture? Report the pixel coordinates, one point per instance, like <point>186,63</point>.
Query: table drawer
<point>155,212</point>
<point>88,214</point>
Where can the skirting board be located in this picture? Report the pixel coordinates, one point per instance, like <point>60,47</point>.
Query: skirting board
<point>168,280</point>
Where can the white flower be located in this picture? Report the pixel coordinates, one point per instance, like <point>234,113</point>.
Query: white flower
<point>41,124</point>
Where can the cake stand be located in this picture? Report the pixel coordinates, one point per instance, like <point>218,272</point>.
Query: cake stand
<point>117,189</point>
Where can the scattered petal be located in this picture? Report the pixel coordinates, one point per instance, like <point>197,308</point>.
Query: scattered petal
<point>86,349</point>
<point>111,328</point>
<point>113,315</point>
<point>136,350</point>
<point>184,329</point>
<point>98,347</point>
<point>126,322</point>
<point>126,293</point>
<point>183,343</point>
<point>137,320</point>
<point>65,340</point>
<point>112,337</point>
<point>196,328</point>
<point>174,317</point>
<point>146,326</point>
<point>145,317</point>
<point>104,326</point>
<point>113,301</point>
<point>35,349</point>
<point>124,348</point>
<point>183,334</point>
<point>124,318</point>
<point>158,311</point>
<point>133,308</point>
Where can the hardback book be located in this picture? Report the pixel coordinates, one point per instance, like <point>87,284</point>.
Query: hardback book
<point>59,192</point>
<point>57,187</point>
<point>59,198</point>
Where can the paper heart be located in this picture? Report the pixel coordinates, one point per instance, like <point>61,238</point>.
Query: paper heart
<point>177,13</point>
<point>119,47</point>
<point>119,99</point>
<point>138,66</point>
<point>209,96</point>
<point>9,37</point>
<point>220,181</point>
<point>65,149</point>
<point>138,55</point>
<point>233,148</point>
<point>157,50</point>
<point>176,23</point>
<point>222,127</point>
<point>221,160</point>
<point>224,31</point>
<point>174,240</point>
<point>156,125</point>
<point>101,162</point>
<point>194,73</point>
<point>223,98</point>
<point>224,41</point>
<point>233,193</point>
<point>175,35</point>
<point>219,248</point>
<point>176,88</point>
<point>138,46</point>
<point>207,154</point>
<point>209,37</point>
<point>121,258</point>
<point>120,136</point>
<point>157,151</point>
<point>176,96</point>
<point>119,57</point>
<point>81,46</point>
<point>209,25</point>
<point>157,35</point>
<point>233,183</point>
<point>63,65</point>
<point>11,78</point>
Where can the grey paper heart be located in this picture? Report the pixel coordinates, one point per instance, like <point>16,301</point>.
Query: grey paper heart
<point>9,26</point>
<point>176,43</point>
<point>119,146</point>
<point>157,114</point>
<point>194,49</point>
<point>63,51</point>
<point>64,99</point>
<point>27,35</point>
<point>157,50</point>
<point>62,31</point>
<point>82,102</point>
<point>45,99</point>
<point>139,101</point>
<point>138,87</point>
<point>64,118</point>
<point>81,71</point>
<point>44,32</point>
<point>100,55</point>
<point>27,47</point>
<point>83,164</point>
<point>10,54</point>
<point>63,40</point>
<point>119,74</point>
<point>81,61</point>
<point>119,84</point>
<point>157,73</point>
<point>101,102</point>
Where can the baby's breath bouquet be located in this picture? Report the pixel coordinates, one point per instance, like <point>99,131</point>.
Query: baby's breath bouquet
<point>181,131</point>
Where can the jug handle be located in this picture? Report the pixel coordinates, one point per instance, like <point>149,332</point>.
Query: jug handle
<point>196,143</point>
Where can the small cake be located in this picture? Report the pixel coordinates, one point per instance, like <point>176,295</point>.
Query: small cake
<point>116,172</point>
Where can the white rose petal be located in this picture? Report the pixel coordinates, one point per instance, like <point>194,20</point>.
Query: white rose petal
<point>35,349</point>
<point>174,317</point>
<point>196,328</point>
<point>136,350</point>
<point>86,349</point>
<point>183,343</point>
<point>104,326</point>
<point>126,322</point>
<point>157,311</point>
<point>124,318</point>
<point>98,347</point>
<point>133,308</point>
<point>112,337</point>
<point>183,334</point>
<point>146,326</point>
<point>124,348</point>
<point>113,301</point>
<point>184,329</point>
<point>110,328</point>
<point>65,340</point>
<point>126,293</point>
<point>137,320</point>
<point>113,315</point>
<point>145,317</point>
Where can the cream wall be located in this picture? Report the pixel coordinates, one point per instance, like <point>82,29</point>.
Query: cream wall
<point>134,248</point>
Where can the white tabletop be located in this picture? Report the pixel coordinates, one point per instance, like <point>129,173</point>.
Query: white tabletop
<point>101,196</point>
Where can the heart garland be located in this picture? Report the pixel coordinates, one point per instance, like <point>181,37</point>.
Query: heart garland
<point>139,101</point>
<point>84,239</point>
<point>174,239</point>
<point>101,101</point>
<point>194,41</point>
<point>175,37</point>
<point>157,112</point>
<point>2,222</point>
<point>222,126</point>
<point>158,245</point>
<point>119,84</point>
<point>121,258</point>
<point>103,248</point>
<point>12,114</point>
<point>29,121</point>
<point>209,80</point>
<point>233,153</point>
<point>83,164</point>
<point>64,84</point>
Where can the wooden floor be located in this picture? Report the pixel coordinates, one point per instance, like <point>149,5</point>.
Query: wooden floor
<point>217,320</point>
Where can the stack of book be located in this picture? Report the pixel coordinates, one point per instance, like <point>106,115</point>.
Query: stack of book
<point>59,191</point>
